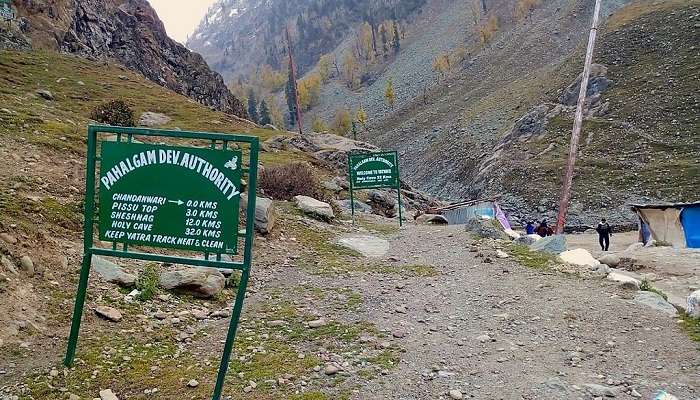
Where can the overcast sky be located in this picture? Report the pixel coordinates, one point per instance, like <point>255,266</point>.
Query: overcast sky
<point>181,17</point>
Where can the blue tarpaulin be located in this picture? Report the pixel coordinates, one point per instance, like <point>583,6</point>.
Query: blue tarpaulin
<point>690,218</point>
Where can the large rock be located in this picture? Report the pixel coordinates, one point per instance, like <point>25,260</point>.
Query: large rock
<point>655,301</point>
<point>551,244</point>
<point>360,207</point>
<point>265,213</point>
<point>486,228</point>
<point>315,208</point>
<point>27,265</point>
<point>9,265</point>
<point>109,313</point>
<point>368,246</point>
<point>431,219</point>
<point>201,282</point>
<point>694,304</point>
<point>112,272</point>
<point>625,281</point>
<point>527,240</point>
<point>153,119</point>
<point>579,257</point>
<point>612,260</point>
<point>383,203</point>
<point>597,84</point>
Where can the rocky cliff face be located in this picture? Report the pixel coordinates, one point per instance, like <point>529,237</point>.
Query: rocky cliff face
<point>130,32</point>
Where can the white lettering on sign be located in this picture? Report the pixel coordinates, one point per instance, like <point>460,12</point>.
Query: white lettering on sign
<point>374,158</point>
<point>170,157</point>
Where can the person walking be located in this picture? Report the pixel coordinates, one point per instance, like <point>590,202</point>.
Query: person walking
<point>604,232</point>
<point>530,228</point>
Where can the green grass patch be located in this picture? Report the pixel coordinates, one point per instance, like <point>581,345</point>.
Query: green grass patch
<point>691,326</point>
<point>147,282</point>
<point>646,286</point>
<point>532,259</point>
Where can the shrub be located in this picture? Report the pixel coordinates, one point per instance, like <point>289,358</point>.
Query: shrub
<point>147,283</point>
<point>115,112</point>
<point>286,181</point>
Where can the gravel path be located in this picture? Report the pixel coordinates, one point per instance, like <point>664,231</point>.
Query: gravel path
<point>502,331</point>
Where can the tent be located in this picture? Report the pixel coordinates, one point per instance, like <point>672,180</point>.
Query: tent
<point>677,224</point>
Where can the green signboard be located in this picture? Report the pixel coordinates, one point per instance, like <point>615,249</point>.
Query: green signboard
<point>172,197</point>
<point>374,171</point>
<point>182,198</point>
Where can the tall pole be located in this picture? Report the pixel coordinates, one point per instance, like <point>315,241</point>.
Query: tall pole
<point>292,69</point>
<point>578,122</point>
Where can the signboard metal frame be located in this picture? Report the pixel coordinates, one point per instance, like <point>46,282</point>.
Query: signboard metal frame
<point>126,135</point>
<point>351,179</point>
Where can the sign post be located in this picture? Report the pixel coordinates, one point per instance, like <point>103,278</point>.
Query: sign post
<point>374,171</point>
<point>169,197</point>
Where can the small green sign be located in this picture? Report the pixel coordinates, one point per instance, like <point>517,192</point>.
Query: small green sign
<point>173,197</point>
<point>374,170</point>
<point>6,11</point>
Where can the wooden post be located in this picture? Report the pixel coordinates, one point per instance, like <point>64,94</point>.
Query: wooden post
<point>292,69</point>
<point>578,122</point>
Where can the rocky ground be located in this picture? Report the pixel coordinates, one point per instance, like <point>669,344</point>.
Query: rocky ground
<point>430,313</point>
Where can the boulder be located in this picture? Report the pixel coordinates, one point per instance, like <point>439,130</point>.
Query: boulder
<point>486,228</point>
<point>7,238</point>
<point>153,119</point>
<point>625,281</point>
<point>527,240</point>
<point>45,94</point>
<point>383,203</point>
<point>431,219</point>
<point>359,206</point>
<point>512,234</point>
<point>107,394</point>
<point>315,208</point>
<point>265,213</point>
<point>331,186</point>
<point>601,270</point>
<point>201,282</point>
<point>579,257</point>
<point>368,246</point>
<point>655,301</point>
<point>694,304</point>
<point>551,244</point>
<point>109,313</point>
<point>612,260</point>
<point>27,265</point>
<point>9,265</point>
<point>112,272</point>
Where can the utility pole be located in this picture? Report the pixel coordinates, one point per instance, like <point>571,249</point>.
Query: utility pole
<point>292,69</point>
<point>578,122</point>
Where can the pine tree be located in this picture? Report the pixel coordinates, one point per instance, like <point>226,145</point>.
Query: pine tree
<point>264,114</point>
<point>397,39</point>
<point>389,93</point>
<point>253,107</point>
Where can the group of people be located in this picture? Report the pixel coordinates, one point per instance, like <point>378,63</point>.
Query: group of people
<point>604,231</point>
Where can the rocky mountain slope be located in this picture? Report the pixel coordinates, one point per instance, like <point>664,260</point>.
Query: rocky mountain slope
<point>237,36</point>
<point>128,31</point>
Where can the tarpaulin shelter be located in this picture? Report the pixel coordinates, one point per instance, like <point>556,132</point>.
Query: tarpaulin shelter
<point>460,213</point>
<point>677,224</point>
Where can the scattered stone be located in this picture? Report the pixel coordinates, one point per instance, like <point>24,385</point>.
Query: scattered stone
<point>315,208</point>
<point>600,390</point>
<point>527,240</point>
<point>317,323</point>
<point>160,315</point>
<point>611,260</point>
<point>501,254</point>
<point>112,272</point>
<point>484,338</point>
<point>109,313</point>
<point>398,333</point>
<point>265,213</point>
<point>330,369</point>
<point>626,282</point>
<point>45,94</point>
<point>551,244</point>
<point>193,383</point>
<point>655,301</point>
<point>693,308</point>
<point>276,323</point>
<point>107,394</point>
<point>602,270</point>
<point>368,246</point>
<point>73,397</point>
<point>7,238</point>
<point>153,119</point>
<point>200,314</point>
<point>456,394</point>
<point>579,257</point>
<point>9,265</point>
<point>201,282</point>
<point>27,265</point>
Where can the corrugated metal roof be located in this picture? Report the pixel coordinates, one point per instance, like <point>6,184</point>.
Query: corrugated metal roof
<point>662,206</point>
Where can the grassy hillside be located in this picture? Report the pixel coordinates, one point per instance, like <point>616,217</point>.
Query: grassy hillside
<point>646,147</point>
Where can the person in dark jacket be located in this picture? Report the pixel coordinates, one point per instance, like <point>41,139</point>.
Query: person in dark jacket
<point>530,228</point>
<point>544,230</point>
<point>604,232</point>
